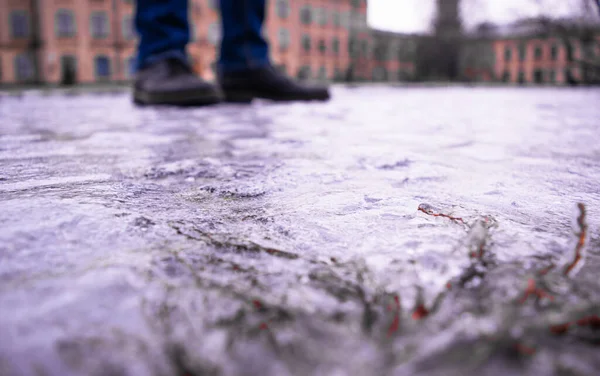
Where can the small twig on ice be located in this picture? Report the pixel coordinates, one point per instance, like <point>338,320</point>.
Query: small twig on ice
<point>396,322</point>
<point>427,209</point>
<point>579,254</point>
<point>532,289</point>
<point>420,311</point>
<point>522,349</point>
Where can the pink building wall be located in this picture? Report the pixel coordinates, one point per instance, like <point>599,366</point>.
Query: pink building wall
<point>118,49</point>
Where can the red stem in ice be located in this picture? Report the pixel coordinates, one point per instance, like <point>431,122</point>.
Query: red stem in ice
<point>430,212</point>
<point>578,257</point>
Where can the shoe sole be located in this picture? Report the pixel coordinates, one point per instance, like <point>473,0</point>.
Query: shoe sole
<point>249,96</point>
<point>181,99</point>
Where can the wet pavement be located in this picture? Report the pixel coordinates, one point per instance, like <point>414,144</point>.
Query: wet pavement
<point>391,231</point>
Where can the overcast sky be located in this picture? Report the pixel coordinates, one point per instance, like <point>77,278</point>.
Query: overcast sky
<point>416,15</point>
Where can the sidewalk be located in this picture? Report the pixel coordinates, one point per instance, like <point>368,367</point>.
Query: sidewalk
<point>387,232</point>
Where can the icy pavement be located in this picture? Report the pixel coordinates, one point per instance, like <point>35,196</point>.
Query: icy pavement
<point>391,231</point>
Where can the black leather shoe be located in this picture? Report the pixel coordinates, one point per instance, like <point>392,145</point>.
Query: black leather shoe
<point>267,83</point>
<point>172,82</point>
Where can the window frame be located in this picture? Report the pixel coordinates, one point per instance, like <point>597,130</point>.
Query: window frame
<point>97,76</point>
<point>17,67</point>
<point>27,21</point>
<point>508,54</point>
<point>283,9</point>
<point>284,35</point>
<point>306,47</point>
<point>538,53</point>
<point>129,62</point>
<point>304,12</point>
<point>554,52</point>
<point>322,46</point>
<point>104,27</point>
<point>523,52</point>
<point>128,27</point>
<point>57,25</point>
<point>335,45</point>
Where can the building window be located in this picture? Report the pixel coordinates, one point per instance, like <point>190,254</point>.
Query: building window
<point>380,52</point>
<point>304,73</point>
<point>538,76</point>
<point>554,52</point>
<point>19,24</point>
<point>336,18</point>
<point>283,8</point>
<point>284,38</point>
<point>321,16</point>
<point>335,45</point>
<point>130,64</point>
<point>521,77</point>
<point>507,54</point>
<point>338,75</point>
<point>102,67</point>
<point>322,73</point>
<point>306,15</point>
<point>589,51</point>
<point>306,42</point>
<point>352,46</point>
<point>538,53</point>
<point>364,44</point>
<point>379,74</point>
<point>24,69</point>
<point>127,27</point>
<point>99,25</point>
<point>506,76</point>
<point>322,46</point>
<point>552,76</point>
<point>522,52</point>
<point>214,33</point>
<point>345,19</point>
<point>64,23</point>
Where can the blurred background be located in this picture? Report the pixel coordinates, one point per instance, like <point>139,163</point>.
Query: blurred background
<point>551,42</point>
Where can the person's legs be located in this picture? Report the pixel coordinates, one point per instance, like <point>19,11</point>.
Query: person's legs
<point>163,28</point>
<point>164,75</point>
<point>245,71</point>
<point>243,46</point>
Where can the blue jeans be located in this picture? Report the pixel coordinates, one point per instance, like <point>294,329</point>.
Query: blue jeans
<point>164,33</point>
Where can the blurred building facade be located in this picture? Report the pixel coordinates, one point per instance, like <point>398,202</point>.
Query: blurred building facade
<point>86,41</point>
<point>533,51</point>
<point>393,56</point>
<point>53,41</point>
